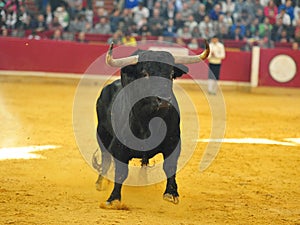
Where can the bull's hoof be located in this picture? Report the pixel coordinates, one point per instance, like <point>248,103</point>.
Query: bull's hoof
<point>171,198</point>
<point>100,184</point>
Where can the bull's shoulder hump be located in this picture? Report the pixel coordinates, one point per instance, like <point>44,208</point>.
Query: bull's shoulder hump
<point>110,90</point>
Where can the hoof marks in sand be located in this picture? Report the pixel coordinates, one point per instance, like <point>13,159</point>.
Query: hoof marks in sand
<point>115,205</point>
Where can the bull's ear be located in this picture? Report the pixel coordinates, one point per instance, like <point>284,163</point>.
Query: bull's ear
<point>179,70</point>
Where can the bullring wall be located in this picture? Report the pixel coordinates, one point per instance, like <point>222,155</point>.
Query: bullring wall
<point>71,57</point>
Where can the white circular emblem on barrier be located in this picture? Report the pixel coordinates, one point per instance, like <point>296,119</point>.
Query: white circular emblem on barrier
<point>282,68</point>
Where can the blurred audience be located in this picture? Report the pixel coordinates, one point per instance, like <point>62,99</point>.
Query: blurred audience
<point>180,21</point>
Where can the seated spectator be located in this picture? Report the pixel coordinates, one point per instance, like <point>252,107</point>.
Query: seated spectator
<point>258,6</point>
<point>277,28</point>
<point>178,21</point>
<point>157,5</point>
<point>170,29</point>
<point>23,18</point>
<point>116,38</point>
<point>228,19</point>
<point>223,34</point>
<point>259,14</point>
<point>156,20</point>
<point>89,14</point>
<point>228,6</point>
<point>11,17</point>
<point>129,4</point>
<point>100,12</point>
<point>184,33</point>
<point>206,28</point>
<point>114,20</point>
<point>78,24</point>
<point>219,24</point>
<point>81,37</point>
<point>40,24</point>
<point>191,23</point>
<point>128,39</point>
<point>102,27</point>
<point>2,14</point>
<point>139,12</point>
<point>271,11</point>
<point>54,25</point>
<point>295,46</point>
<point>144,30</point>
<point>265,31</point>
<point>193,44</point>
<point>196,32</point>
<point>4,32</point>
<point>170,11</point>
<point>297,36</point>
<point>296,13</point>
<point>284,36</point>
<point>200,13</point>
<point>141,23</point>
<point>63,16</point>
<point>48,14</point>
<point>209,4</point>
<point>265,28</point>
<point>265,2</point>
<point>237,35</point>
<point>286,20</point>
<point>12,5</point>
<point>238,7</point>
<point>296,31</point>
<point>248,6</point>
<point>194,5</point>
<point>186,11</point>
<point>57,35</point>
<point>288,6</point>
<point>215,12</point>
<point>245,17</point>
<point>180,41</point>
<point>241,26</point>
<point>75,7</point>
<point>252,29</point>
<point>127,17</point>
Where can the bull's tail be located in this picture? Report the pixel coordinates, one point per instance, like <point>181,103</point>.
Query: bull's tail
<point>97,166</point>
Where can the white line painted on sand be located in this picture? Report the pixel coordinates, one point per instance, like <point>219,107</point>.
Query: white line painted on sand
<point>24,152</point>
<point>294,140</point>
<point>250,141</point>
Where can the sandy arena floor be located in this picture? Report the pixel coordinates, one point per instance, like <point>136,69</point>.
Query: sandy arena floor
<point>246,184</point>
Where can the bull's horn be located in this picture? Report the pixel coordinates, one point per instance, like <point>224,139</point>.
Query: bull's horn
<point>193,58</point>
<point>131,60</point>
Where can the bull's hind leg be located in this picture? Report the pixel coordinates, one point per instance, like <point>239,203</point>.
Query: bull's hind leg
<point>106,159</point>
<point>105,164</point>
<point>170,167</point>
<point>121,173</point>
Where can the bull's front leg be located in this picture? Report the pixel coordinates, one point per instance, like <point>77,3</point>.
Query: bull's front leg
<point>121,173</point>
<point>170,167</point>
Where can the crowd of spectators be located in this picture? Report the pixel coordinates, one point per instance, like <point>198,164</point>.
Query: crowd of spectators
<point>260,22</point>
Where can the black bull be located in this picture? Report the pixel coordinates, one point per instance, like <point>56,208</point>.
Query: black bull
<point>142,64</point>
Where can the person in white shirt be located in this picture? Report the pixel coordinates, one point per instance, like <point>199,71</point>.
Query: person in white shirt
<point>217,54</point>
<point>140,12</point>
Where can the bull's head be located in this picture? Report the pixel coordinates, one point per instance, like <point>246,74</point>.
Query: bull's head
<point>162,64</point>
